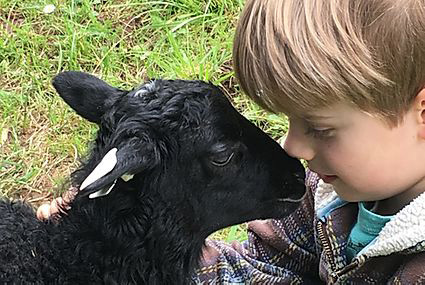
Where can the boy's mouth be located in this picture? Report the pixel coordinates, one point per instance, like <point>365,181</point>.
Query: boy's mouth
<point>327,178</point>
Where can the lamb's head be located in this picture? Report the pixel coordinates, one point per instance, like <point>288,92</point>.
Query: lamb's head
<point>181,144</point>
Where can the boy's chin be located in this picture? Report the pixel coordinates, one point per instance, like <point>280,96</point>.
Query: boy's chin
<point>344,194</point>
<point>349,198</point>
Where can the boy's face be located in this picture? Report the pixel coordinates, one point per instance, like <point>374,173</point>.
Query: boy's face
<point>360,155</point>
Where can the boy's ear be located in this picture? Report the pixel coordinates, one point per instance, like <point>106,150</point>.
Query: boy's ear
<point>85,93</point>
<point>419,107</point>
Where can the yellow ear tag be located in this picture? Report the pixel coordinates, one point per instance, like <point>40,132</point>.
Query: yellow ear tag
<point>127,177</point>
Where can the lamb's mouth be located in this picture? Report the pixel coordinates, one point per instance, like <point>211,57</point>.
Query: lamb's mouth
<point>298,191</point>
<point>291,200</point>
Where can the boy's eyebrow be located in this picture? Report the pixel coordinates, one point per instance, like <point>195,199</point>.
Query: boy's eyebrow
<point>316,117</point>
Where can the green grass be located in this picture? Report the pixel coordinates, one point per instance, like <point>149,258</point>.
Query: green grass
<point>125,42</point>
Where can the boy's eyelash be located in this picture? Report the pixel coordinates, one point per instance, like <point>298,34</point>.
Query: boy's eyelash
<point>320,134</point>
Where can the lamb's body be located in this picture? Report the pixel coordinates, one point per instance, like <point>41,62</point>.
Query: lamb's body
<point>83,250</point>
<point>198,166</point>
<point>34,252</point>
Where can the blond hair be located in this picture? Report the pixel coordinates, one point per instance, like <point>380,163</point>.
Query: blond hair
<point>295,56</point>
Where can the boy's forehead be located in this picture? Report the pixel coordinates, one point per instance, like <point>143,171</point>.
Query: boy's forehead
<point>335,111</point>
<point>321,113</point>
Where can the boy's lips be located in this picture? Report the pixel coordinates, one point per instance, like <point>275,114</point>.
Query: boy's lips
<point>324,177</point>
<point>327,178</point>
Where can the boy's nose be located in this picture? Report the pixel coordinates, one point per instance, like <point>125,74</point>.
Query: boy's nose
<point>297,145</point>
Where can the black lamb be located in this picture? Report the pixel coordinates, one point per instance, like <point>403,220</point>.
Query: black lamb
<point>173,162</point>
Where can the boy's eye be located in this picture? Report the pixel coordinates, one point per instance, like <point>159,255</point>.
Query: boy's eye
<point>319,133</point>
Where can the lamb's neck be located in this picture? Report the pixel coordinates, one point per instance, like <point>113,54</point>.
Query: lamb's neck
<point>173,250</point>
<point>146,235</point>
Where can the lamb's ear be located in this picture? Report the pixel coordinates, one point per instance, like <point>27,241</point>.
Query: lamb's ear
<point>85,93</point>
<point>117,164</point>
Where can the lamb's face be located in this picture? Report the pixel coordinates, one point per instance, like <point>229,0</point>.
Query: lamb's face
<point>226,170</point>
<point>183,142</point>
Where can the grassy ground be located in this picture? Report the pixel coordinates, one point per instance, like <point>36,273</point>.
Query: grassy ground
<point>125,42</point>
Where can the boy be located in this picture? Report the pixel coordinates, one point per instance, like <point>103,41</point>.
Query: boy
<point>350,75</point>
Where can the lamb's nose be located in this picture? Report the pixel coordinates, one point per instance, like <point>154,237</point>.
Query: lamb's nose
<point>298,190</point>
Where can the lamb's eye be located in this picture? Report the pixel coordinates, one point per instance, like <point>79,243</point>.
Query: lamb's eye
<point>221,159</point>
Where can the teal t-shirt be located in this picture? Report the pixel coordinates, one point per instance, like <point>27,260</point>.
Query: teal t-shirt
<point>365,230</point>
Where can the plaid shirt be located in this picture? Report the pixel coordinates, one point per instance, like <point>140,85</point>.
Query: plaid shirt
<point>305,249</point>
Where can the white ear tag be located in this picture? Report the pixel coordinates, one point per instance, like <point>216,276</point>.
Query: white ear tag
<point>105,166</point>
<point>102,192</point>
